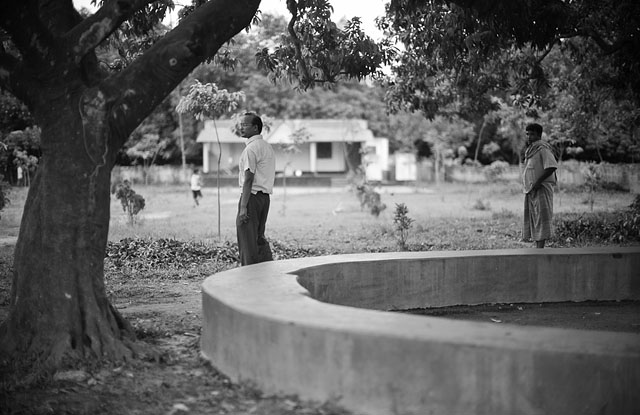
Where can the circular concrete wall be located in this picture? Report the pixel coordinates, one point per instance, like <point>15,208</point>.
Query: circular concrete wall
<point>312,327</point>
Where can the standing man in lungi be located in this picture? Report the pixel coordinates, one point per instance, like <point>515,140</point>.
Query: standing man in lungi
<point>538,177</point>
<point>257,174</point>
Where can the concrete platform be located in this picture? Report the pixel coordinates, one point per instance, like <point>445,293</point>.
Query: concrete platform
<point>314,327</point>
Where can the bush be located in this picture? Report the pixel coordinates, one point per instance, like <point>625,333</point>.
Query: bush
<point>370,198</point>
<point>132,203</point>
<point>634,207</point>
<point>495,170</point>
<point>403,223</point>
<point>615,227</point>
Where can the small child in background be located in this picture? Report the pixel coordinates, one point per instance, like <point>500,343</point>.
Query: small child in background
<point>196,186</point>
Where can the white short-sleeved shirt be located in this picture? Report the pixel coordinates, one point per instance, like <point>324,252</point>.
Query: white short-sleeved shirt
<point>259,158</point>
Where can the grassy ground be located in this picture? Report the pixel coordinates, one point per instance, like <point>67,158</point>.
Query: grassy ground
<point>162,300</point>
<point>323,217</point>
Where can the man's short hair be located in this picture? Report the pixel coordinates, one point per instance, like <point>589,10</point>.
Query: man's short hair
<point>535,127</point>
<point>255,120</point>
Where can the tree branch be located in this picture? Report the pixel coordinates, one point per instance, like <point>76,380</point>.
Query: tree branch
<point>133,93</point>
<point>59,16</point>
<point>307,80</point>
<point>608,47</point>
<point>22,21</point>
<point>545,53</point>
<point>96,28</point>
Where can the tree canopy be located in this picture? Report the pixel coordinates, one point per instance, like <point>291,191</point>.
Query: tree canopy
<point>556,59</point>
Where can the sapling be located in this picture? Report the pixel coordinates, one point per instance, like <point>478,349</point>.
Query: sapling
<point>593,180</point>
<point>208,101</point>
<point>132,203</point>
<point>403,223</point>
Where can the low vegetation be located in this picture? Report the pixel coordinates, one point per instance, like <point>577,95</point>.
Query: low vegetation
<point>403,224</point>
<point>619,227</point>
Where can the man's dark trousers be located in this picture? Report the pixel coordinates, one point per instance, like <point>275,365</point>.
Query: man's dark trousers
<point>252,243</point>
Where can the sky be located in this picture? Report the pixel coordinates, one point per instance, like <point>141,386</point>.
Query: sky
<point>367,10</point>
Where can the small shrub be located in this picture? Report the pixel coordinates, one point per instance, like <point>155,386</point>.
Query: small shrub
<point>614,227</point>
<point>132,203</point>
<point>481,205</point>
<point>593,180</point>
<point>370,199</point>
<point>402,223</point>
<point>634,207</point>
<point>495,170</point>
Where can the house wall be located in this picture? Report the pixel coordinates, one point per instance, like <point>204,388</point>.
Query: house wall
<point>302,159</point>
<point>298,161</point>
<point>230,156</point>
<point>334,164</point>
<point>295,161</point>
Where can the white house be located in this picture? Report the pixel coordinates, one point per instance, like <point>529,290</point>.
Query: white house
<point>324,148</point>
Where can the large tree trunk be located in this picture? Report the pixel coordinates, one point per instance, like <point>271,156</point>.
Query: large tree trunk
<point>59,305</point>
<point>59,309</point>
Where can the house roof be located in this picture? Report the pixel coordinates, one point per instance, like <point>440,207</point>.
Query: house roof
<point>281,132</point>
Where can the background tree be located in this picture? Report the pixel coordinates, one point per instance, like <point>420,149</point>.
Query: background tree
<point>458,56</point>
<point>444,136</point>
<point>146,149</point>
<point>27,163</point>
<point>17,132</point>
<point>586,104</point>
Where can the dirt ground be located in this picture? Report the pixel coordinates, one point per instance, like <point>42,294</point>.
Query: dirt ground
<point>618,316</point>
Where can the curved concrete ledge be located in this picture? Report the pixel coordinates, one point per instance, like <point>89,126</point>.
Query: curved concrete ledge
<point>293,327</point>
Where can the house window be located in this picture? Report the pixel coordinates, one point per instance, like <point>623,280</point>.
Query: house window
<point>324,150</point>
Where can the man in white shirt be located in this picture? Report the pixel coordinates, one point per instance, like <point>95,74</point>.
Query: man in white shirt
<point>257,175</point>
